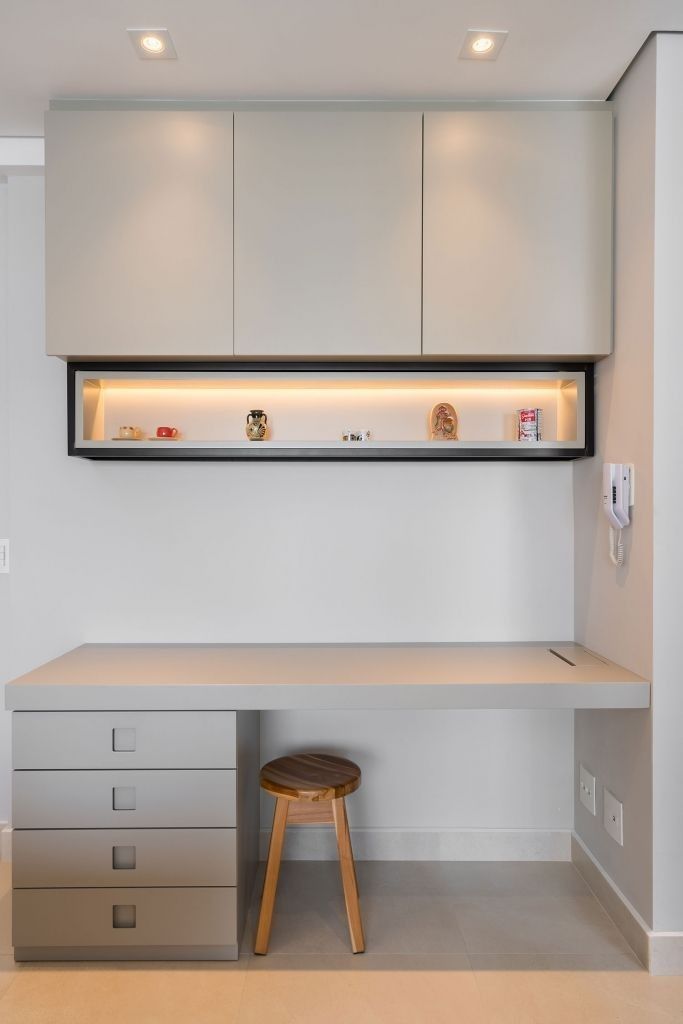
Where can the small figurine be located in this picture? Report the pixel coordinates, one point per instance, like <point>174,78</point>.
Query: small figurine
<point>257,422</point>
<point>357,435</point>
<point>444,422</point>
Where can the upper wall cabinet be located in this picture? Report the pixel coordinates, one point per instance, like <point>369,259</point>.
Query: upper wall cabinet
<point>327,233</point>
<point>518,233</point>
<point>139,233</point>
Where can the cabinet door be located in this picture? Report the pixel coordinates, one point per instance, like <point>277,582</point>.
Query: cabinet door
<point>139,233</point>
<point>518,233</point>
<point>327,234</point>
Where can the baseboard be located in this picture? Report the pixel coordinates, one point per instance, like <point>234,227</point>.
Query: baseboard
<point>308,842</point>
<point>666,953</point>
<point>660,952</point>
<point>5,841</point>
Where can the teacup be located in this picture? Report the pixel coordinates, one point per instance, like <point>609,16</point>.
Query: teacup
<point>167,432</point>
<point>129,433</point>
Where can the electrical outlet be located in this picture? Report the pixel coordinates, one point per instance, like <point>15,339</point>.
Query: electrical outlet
<point>613,816</point>
<point>4,556</point>
<point>587,789</point>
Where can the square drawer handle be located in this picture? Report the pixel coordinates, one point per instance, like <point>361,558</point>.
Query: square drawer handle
<point>123,739</point>
<point>124,915</point>
<point>123,798</point>
<point>123,858</point>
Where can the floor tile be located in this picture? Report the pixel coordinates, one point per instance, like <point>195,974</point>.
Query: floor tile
<point>319,930</point>
<point>6,923</point>
<point>531,990</point>
<point>8,972</point>
<point>5,877</point>
<point>563,925</point>
<point>641,991</point>
<point>363,989</point>
<point>467,880</point>
<point>417,923</point>
<point>310,915</point>
<point>134,994</point>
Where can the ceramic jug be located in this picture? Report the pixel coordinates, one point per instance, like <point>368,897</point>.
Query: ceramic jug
<point>257,421</point>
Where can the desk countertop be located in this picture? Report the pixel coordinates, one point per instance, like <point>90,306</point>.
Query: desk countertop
<point>326,676</point>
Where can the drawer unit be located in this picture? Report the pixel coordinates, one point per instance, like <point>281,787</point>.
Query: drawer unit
<point>124,799</point>
<point>135,833</point>
<point>124,739</point>
<point>61,858</point>
<point>124,917</point>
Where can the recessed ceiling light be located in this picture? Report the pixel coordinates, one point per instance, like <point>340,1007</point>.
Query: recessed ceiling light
<point>155,45</point>
<point>482,44</point>
<point>152,43</point>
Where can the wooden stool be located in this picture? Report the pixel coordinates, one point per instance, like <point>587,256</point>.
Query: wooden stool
<point>314,787</point>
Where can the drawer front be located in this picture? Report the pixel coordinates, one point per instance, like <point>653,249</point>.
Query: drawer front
<point>124,739</point>
<point>124,917</point>
<point>57,858</point>
<point>128,799</point>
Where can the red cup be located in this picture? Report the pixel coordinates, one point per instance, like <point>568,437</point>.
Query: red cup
<point>167,432</point>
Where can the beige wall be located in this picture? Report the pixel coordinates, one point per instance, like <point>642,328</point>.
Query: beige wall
<point>633,614</point>
<point>667,701</point>
<point>613,607</point>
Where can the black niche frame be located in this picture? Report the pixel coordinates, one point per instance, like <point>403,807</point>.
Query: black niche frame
<point>354,452</point>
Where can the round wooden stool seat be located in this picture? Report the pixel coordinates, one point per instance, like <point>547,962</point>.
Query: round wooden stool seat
<point>310,777</point>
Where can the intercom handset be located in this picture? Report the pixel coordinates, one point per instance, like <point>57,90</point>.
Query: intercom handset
<point>616,486</point>
<point>616,500</point>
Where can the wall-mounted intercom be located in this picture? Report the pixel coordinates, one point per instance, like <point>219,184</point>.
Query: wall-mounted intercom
<point>617,500</point>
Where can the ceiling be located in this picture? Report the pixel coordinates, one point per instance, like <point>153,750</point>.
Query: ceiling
<point>316,50</point>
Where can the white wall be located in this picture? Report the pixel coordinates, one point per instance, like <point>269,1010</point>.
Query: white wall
<point>4,492</point>
<point>614,606</point>
<point>297,552</point>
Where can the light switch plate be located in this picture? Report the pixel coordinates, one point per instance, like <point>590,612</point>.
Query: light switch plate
<point>613,816</point>
<point>587,789</point>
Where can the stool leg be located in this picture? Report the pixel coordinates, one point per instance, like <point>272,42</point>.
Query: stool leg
<point>348,873</point>
<point>277,838</point>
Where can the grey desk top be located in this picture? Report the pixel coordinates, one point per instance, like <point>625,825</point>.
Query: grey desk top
<point>325,676</point>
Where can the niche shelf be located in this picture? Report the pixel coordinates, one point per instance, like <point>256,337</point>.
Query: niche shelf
<point>310,405</point>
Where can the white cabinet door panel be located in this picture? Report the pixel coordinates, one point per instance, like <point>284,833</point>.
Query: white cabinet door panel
<point>327,233</point>
<point>518,233</point>
<point>139,233</point>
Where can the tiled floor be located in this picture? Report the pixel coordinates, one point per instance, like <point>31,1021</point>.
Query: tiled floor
<point>447,944</point>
